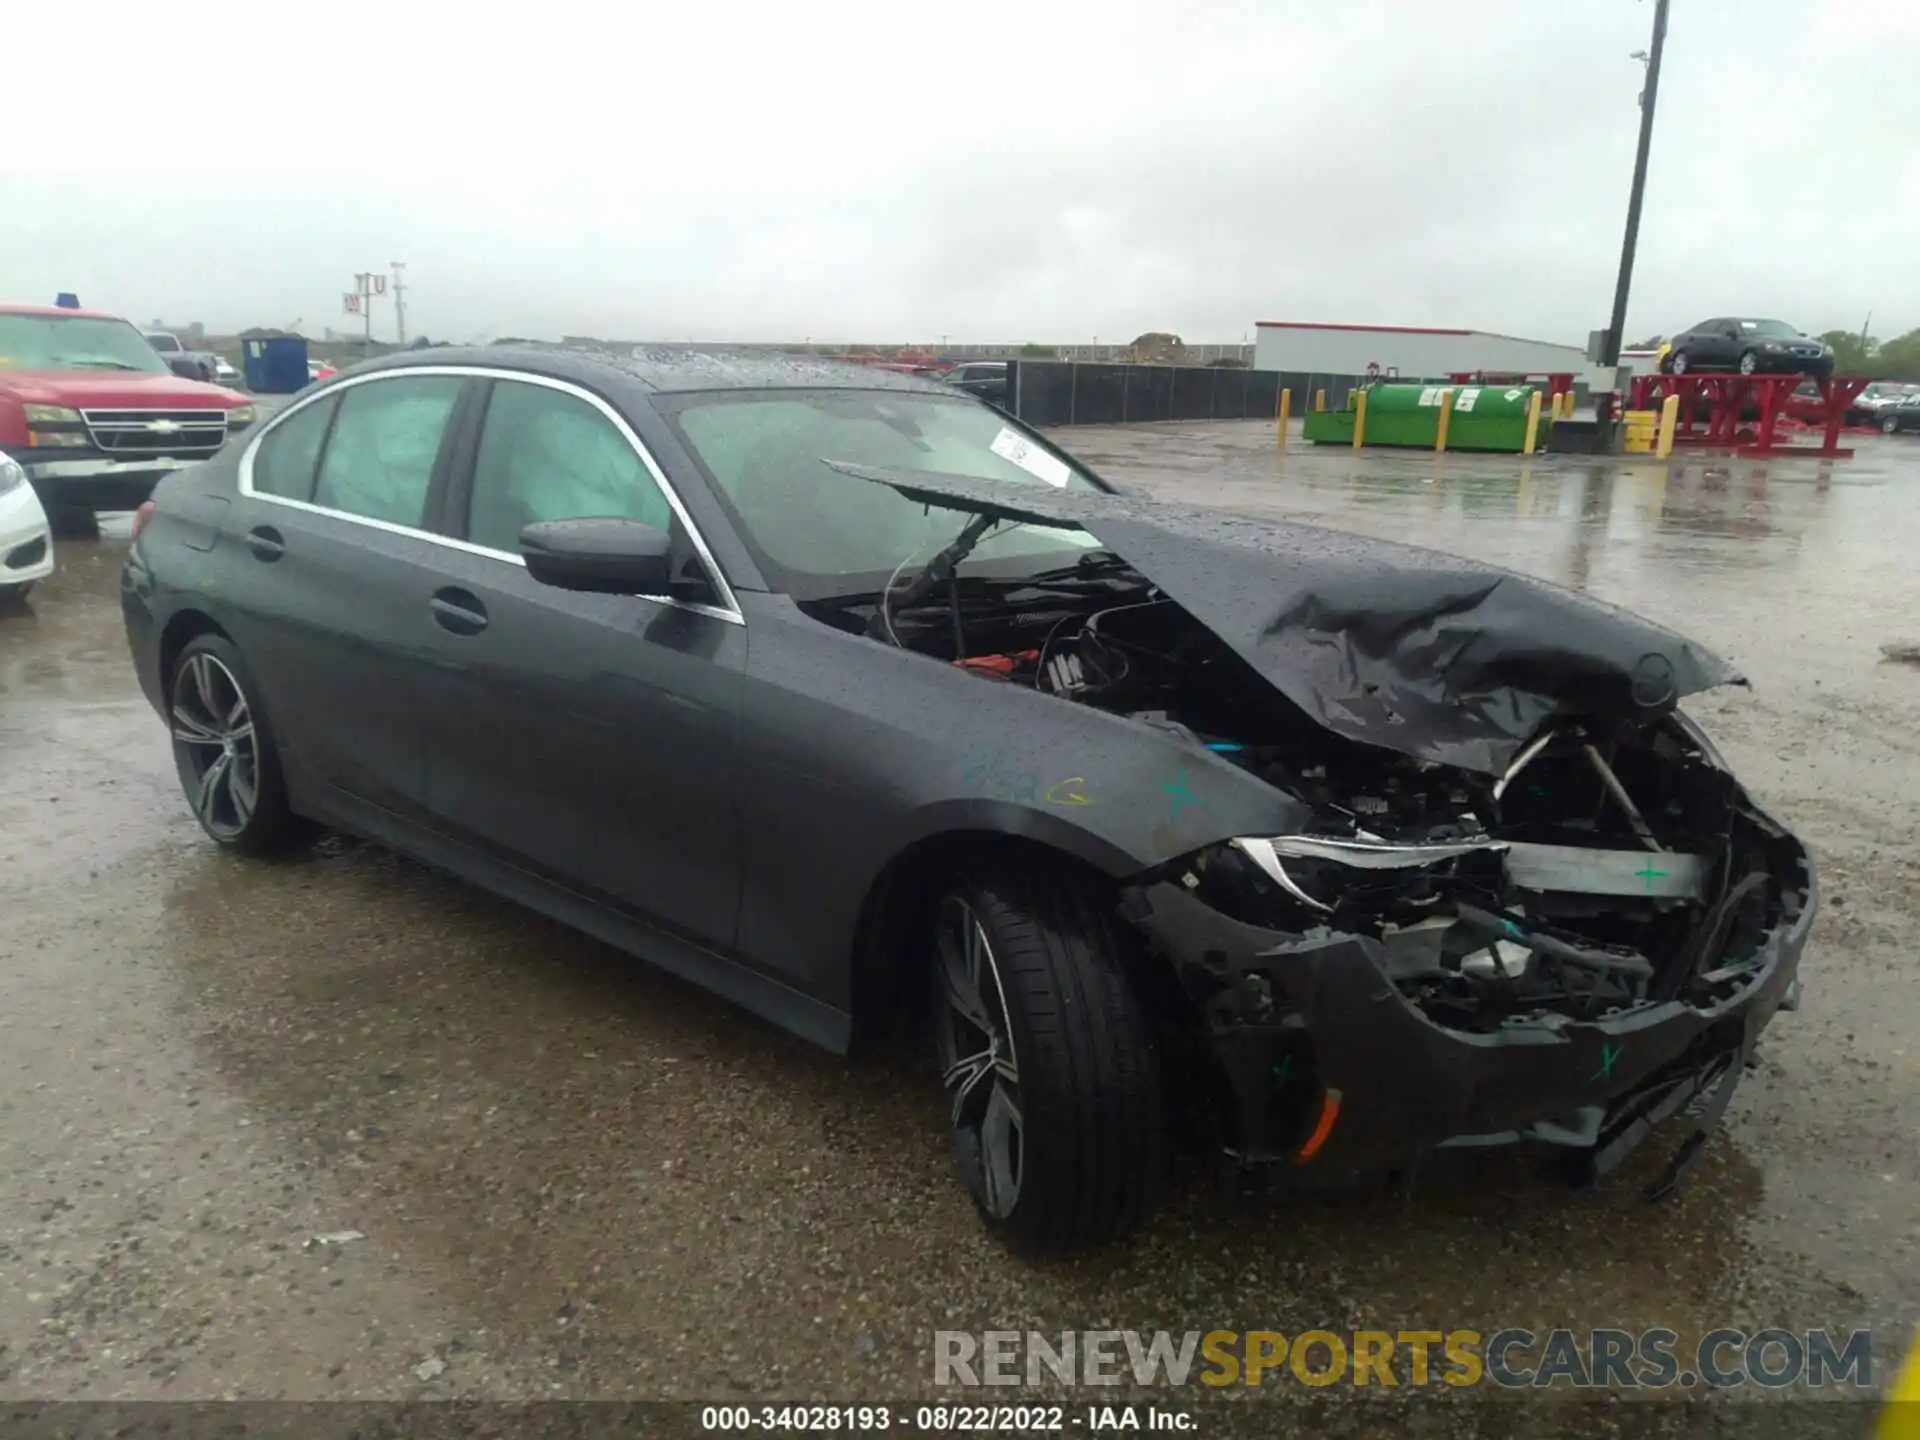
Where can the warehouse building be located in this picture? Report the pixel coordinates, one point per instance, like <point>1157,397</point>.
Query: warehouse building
<point>1414,351</point>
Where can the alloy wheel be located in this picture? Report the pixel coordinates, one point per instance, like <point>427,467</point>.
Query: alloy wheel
<point>977,1060</point>
<point>214,736</point>
<point>1678,363</point>
<point>1748,364</point>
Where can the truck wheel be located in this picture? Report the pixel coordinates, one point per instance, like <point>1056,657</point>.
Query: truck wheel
<point>1054,1090</point>
<point>225,751</point>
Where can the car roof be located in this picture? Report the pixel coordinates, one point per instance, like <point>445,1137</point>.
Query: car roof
<point>58,312</point>
<point>666,370</point>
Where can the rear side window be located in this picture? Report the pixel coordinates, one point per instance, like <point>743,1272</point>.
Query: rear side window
<point>379,460</point>
<point>548,455</point>
<point>290,452</point>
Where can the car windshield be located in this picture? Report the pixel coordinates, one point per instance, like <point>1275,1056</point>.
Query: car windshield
<point>53,342</point>
<point>818,533</point>
<point>165,344</point>
<point>1771,329</point>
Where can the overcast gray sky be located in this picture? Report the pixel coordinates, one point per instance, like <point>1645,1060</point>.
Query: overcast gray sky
<point>1037,170</point>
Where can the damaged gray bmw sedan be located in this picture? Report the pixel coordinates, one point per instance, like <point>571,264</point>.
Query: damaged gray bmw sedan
<point>850,698</point>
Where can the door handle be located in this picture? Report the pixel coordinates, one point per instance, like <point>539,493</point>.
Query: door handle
<point>457,610</point>
<point>266,543</point>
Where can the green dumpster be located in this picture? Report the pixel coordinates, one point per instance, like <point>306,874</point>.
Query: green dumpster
<point>1485,417</point>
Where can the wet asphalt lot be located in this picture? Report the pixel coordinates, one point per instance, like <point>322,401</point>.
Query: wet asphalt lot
<point>578,1178</point>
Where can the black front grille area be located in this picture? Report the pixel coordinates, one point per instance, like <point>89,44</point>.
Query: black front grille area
<point>181,434</point>
<point>31,553</point>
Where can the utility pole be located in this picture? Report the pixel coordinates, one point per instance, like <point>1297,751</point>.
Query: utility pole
<point>400,299</point>
<point>1611,357</point>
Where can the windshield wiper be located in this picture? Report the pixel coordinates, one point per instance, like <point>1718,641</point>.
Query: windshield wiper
<point>1092,563</point>
<point>937,571</point>
<point>100,364</point>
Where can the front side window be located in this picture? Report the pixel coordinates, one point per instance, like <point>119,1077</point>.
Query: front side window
<point>548,455</point>
<point>289,453</point>
<point>83,342</point>
<point>379,460</point>
<point>816,532</point>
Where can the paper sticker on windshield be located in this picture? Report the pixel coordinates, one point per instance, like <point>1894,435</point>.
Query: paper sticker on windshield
<point>1031,458</point>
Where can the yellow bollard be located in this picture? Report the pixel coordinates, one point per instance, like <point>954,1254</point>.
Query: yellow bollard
<point>1286,405</point>
<point>1560,406</point>
<point>1319,399</point>
<point>1533,422</point>
<point>1360,420</point>
<point>1446,415</point>
<point>1669,419</point>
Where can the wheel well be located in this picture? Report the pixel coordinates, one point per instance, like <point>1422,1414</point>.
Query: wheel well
<point>182,628</point>
<point>882,995</point>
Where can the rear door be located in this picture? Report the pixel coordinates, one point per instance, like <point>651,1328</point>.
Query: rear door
<point>589,738</point>
<point>325,560</point>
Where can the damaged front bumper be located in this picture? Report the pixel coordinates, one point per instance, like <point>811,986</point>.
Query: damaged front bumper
<point>1327,1071</point>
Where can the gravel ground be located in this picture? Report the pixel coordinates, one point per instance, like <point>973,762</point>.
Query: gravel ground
<point>568,1176</point>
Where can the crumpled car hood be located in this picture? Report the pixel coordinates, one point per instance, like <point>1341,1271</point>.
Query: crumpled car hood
<point>1437,657</point>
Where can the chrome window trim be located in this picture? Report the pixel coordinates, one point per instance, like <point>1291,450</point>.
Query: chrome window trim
<point>729,612</point>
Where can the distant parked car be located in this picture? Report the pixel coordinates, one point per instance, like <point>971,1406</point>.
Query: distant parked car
<point>1806,404</point>
<point>188,364</point>
<point>984,378</point>
<point>223,372</point>
<point>1882,395</point>
<point>1750,347</point>
<point>1904,416</point>
<point>318,370</point>
<point>26,539</point>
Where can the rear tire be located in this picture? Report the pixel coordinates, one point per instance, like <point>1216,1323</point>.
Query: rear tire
<point>1677,363</point>
<point>1053,1086</point>
<point>226,753</point>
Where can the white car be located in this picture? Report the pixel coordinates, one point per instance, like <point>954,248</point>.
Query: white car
<point>26,540</point>
<point>223,372</point>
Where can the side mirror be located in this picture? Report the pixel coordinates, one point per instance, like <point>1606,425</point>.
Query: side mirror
<point>601,554</point>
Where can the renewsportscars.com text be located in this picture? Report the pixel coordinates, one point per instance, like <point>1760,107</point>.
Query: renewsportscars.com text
<point>1510,1358</point>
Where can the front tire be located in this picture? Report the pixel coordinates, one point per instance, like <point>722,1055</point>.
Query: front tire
<point>1889,426</point>
<point>16,594</point>
<point>1749,362</point>
<point>1052,1083</point>
<point>225,751</point>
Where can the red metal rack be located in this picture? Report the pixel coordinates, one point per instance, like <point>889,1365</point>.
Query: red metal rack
<point>1724,398</point>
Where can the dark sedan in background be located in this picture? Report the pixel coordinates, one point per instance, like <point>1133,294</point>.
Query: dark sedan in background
<point>850,698</point>
<point>1896,419</point>
<point>986,379</point>
<point>1750,347</point>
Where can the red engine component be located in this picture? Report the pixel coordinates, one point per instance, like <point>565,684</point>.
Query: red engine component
<point>998,667</point>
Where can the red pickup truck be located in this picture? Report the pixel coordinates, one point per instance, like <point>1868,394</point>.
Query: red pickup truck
<point>92,413</point>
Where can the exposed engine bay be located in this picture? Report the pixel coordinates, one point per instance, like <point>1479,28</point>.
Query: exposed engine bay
<point>1615,864</point>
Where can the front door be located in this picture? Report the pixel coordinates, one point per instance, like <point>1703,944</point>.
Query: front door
<point>587,737</point>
